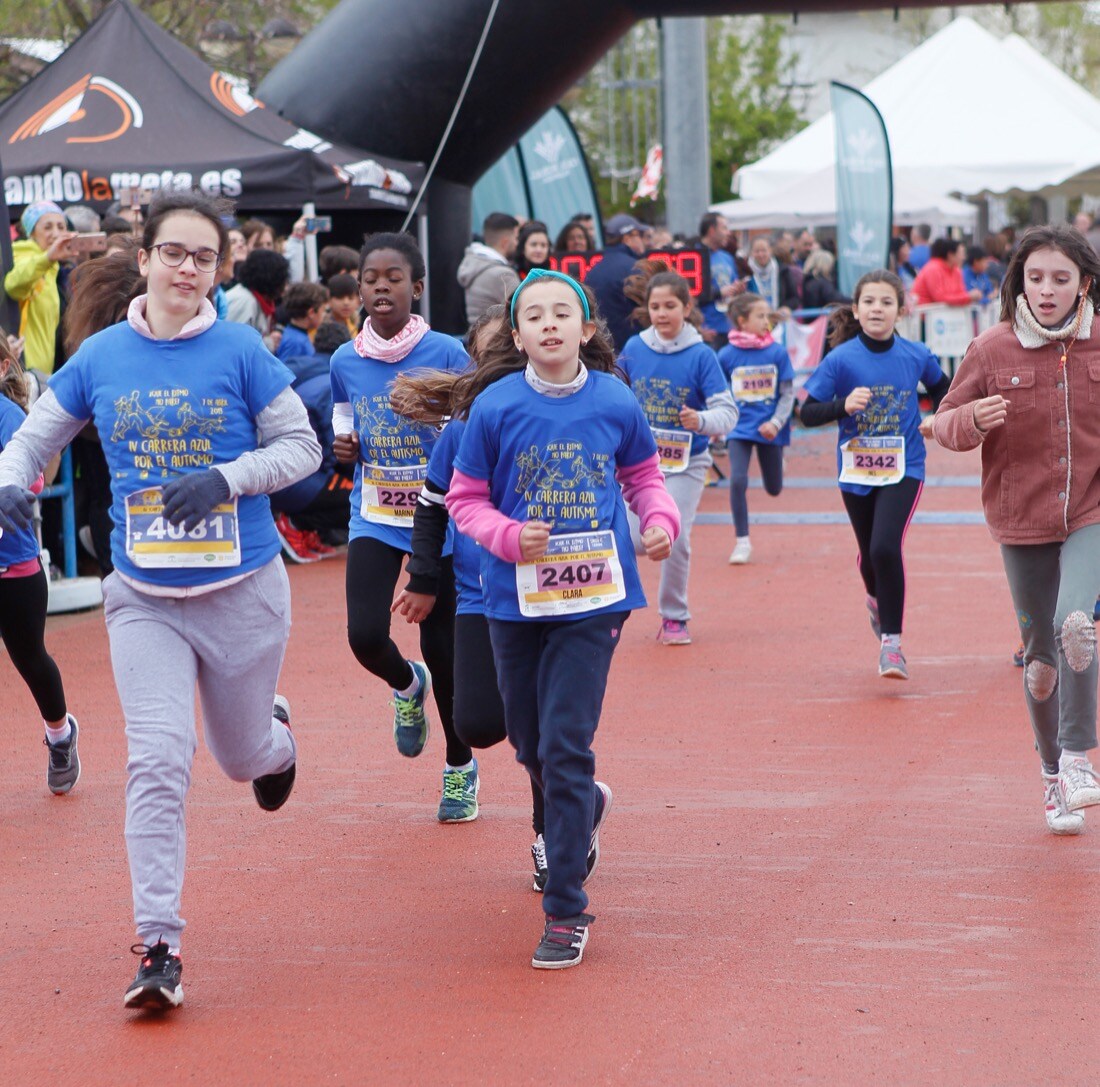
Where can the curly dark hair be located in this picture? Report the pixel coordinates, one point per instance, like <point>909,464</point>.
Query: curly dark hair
<point>265,272</point>
<point>399,243</point>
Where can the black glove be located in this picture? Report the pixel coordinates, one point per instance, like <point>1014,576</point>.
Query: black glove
<point>16,508</point>
<point>189,499</point>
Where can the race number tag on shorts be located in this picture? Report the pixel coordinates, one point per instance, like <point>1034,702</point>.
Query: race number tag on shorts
<point>872,462</point>
<point>390,494</point>
<point>153,543</point>
<point>578,573</point>
<point>753,384</point>
<point>674,449</point>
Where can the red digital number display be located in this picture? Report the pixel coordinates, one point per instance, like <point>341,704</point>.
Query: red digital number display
<point>692,264</point>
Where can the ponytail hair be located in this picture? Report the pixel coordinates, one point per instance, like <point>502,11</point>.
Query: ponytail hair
<point>649,274</point>
<point>741,306</point>
<point>843,325</point>
<point>12,384</point>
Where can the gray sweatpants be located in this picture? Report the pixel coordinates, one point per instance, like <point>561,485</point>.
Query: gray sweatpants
<point>686,488</point>
<point>231,643</point>
<point>1054,588</point>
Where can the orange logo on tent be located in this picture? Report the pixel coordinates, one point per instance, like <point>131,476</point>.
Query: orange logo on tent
<point>68,108</point>
<point>233,98</point>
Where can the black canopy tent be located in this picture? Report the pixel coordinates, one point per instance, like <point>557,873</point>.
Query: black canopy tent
<point>128,106</point>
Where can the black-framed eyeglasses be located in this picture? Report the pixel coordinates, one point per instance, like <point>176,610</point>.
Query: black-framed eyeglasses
<point>172,255</point>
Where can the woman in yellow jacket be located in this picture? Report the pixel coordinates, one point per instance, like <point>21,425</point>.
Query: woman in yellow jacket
<point>32,281</point>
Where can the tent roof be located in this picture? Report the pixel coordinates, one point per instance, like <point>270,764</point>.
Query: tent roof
<point>947,131</point>
<point>811,202</point>
<point>128,105</point>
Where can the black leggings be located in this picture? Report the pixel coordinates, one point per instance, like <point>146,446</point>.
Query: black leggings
<point>22,626</point>
<point>479,710</point>
<point>880,520</point>
<point>372,572</point>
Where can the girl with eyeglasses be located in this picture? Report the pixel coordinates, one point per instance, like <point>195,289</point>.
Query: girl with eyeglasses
<point>199,425</point>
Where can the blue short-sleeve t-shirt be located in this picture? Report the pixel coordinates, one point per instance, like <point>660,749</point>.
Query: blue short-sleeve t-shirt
<point>894,410</point>
<point>755,375</point>
<point>167,408</point>
<point>663,384</point>
<point>22,545</point>
<point>393,452</point>
<point>554,459</point>
<point>467,553</point>
<point>723,272</point>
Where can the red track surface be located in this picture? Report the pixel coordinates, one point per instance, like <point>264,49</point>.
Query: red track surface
<point>811,875</point>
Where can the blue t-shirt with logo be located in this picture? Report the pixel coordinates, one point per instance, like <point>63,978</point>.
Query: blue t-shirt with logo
<point>892,377</point>
<point>21,545</point>
<point>554,459</point>
<point>167,408</point>
<point>663,384</point>
<point>467,553</point>
<point>723,272</point>
<point>393,452</point>
<point>295,341</point>
<point>766,368</point>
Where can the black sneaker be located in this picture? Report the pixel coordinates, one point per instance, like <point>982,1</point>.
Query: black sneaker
<point>63,770</point>
<point>157,984</point>
<point>538,855</point>
<point>603,806</point>
<point>272,790</point>
<point>562,943</point>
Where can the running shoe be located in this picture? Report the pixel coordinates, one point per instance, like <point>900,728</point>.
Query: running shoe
<point>293,541</point>
<point>1079,784</point>
<point>63,768</point>
<point>157,984</point>
<point>603,807</point>
<point>674,632</point>
<point>460,789</point>
<point>312,540</point>
<point>891,663</point>
<point>872,611</point>
<point>742,551</point>
<point>1018,656</point>
<point>538,855</point>
<point>271,790</point>
<point>1059,818</point>
<point>562,943</point>
<point>410,718</point>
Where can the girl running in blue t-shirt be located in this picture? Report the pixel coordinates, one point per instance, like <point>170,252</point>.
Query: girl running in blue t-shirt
<point>868,384</point>
<point>537,484</point>
<point>390,455</point>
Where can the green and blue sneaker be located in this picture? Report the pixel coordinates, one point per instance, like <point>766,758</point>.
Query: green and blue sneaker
<point>410,719</point>
<point>460,789</point>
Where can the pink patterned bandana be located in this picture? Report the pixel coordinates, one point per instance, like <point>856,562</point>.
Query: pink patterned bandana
<point>749,340</point>
<point>370,345</point>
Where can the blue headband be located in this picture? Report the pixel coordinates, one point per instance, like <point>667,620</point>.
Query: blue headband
<point>34,212</point>
<point>535,275</point>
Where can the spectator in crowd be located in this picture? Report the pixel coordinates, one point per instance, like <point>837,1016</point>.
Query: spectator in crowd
<point>660,237</point>
<point>919,249</point>
<point>588,223</point>
<point>996,245</point>
<point>82,219</point>
<point>133,216</point>
<point>819,289</point>
<point>626,242</point>
<point>237,246</point>
<point>115,224</point>
<point>804,245</point>
<point>941,279</point>
<point>32,281</point>
<point>1084,222</point>
<point>783,251</point>
<point>258,234</point>
<point>573,238</point>
<point>304,305</point>
<point>486,273</point>
<point>976,273</point>
<point>260,284</point>
<point>770,279</point>
<point>122,243</point>
<point>337,260</point>
<point>900,263</point>
<point>343,302</point>
<point>533,247</point>
<point>714,233</point>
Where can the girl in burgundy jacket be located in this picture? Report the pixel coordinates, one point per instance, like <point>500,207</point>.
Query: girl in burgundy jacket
<point>1028,392</point>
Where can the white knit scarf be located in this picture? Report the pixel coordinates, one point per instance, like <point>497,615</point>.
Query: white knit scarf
<point>1031,334</point>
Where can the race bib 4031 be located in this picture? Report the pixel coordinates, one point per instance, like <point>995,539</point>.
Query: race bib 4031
<point>154,543</point>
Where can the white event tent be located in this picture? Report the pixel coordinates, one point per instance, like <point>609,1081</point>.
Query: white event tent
<point>811,202</point>
<point>966,113</point>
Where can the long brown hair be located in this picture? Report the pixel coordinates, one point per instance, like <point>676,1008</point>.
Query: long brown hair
<point>12,383</point>
<point>843,325</point>
<point>430,398</point>
<point>648,274</point>
<point>1066,240</point>
<point>102,290</point>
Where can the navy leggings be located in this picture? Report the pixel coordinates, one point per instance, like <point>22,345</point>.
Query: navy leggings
<point>771,471</point>
<point>23,626</point>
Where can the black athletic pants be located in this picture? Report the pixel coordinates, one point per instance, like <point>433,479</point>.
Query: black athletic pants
<point>23,626</point>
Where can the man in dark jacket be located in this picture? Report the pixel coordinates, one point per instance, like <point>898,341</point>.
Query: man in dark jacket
<point>625,242</point>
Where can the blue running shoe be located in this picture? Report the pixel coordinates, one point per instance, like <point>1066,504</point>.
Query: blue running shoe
<point>460,789</point>
<point>410,719</point>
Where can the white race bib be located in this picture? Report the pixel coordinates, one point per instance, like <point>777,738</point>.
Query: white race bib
<point>674,449</point>
<point>754,384</point>
<point>579,572</point>
<point>873,462</point>
<point>390,494</point>
<point>153,543</point>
